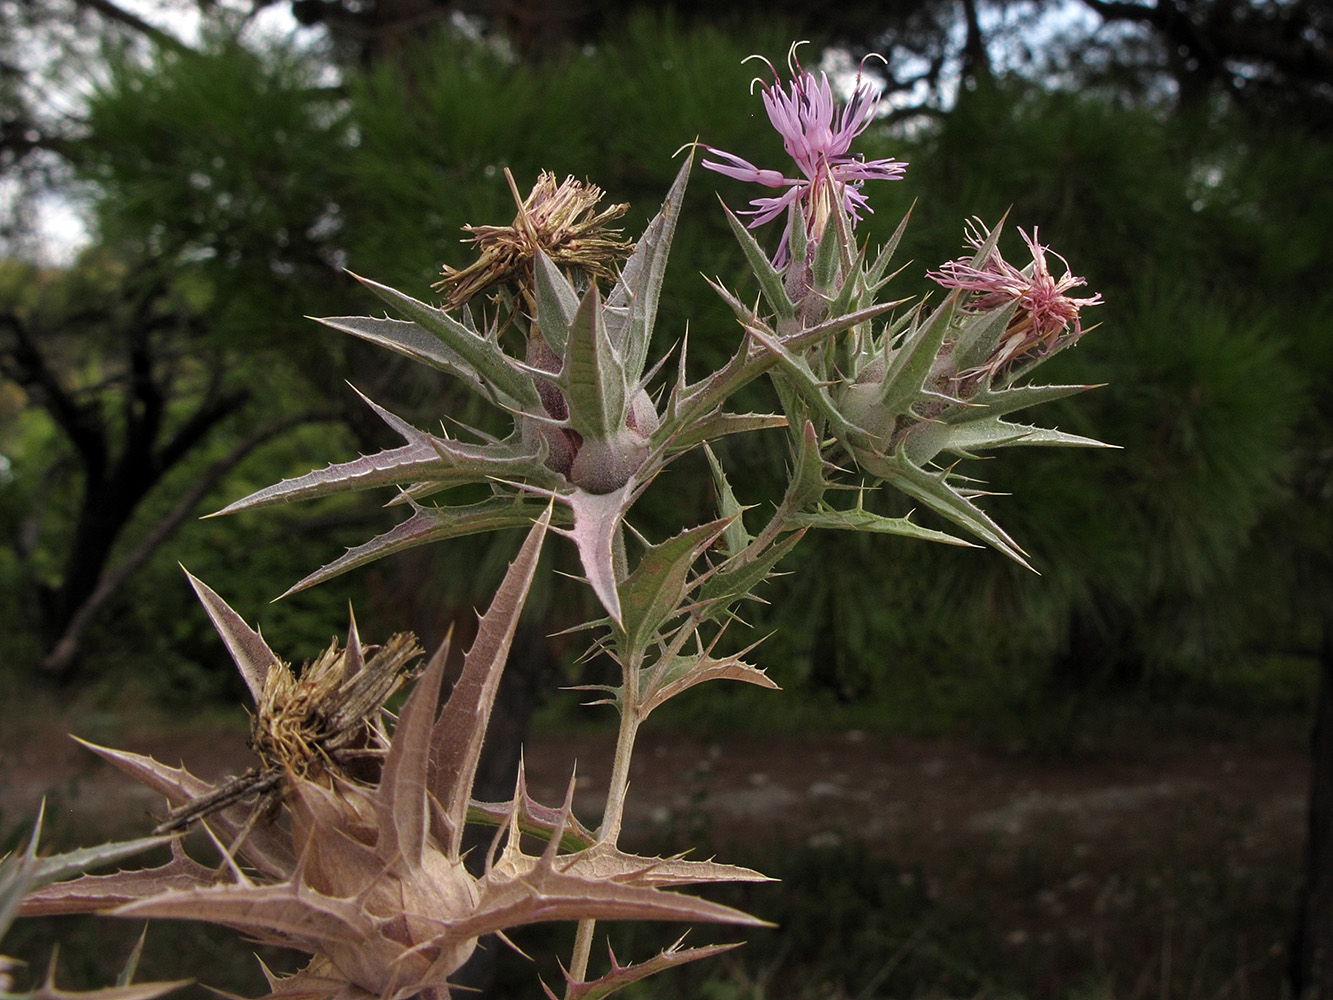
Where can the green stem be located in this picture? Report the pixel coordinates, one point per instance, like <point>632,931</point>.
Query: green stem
<point>613,815</point>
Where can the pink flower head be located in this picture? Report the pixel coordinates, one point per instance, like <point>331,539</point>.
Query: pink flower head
<point>817,133</point>
<point>1045,312</point>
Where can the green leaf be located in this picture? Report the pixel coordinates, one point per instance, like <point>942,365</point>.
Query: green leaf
<point>807,485</point>
<point>910,365</point>
<point>715,426</point>
<point>860,519</point>
<point>410,340</point>
<point>652,594</point>
<point>429,524</point>
<point>737,578</point>
<point>632,304</point>
<point>1006,401</point>
<point>936,492</point>
<point>686,672</point>
<point>513,386</point>
<point>593,375</point>
<point>734,536</point>
<point>824,268</point>
<point>557,302</point>
<point>769,278</point>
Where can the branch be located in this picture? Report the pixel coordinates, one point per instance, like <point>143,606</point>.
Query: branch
<point>27,366</point>
<point>59,660</point>
<point>135,23</point>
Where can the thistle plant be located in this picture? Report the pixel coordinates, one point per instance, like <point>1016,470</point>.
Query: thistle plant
<point>344,841</point>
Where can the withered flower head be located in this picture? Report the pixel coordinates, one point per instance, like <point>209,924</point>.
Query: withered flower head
<point>366,877</point>
<point>1047,315</point>
<point>560,219</point>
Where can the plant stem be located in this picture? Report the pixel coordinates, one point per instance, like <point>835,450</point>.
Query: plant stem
<point>612,816</point>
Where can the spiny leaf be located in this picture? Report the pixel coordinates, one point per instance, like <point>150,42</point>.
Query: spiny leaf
<point>533,818</point>
<point>428,524</point>
<point>92,893</point>
<point>557,302</point>
<point>632,305</point>
<point>688,671</point>
<point>425,458</point>
<point>511,384</point>
<point>597,521</point>
<point>248,650</point>
<point>734,536</point>
<point>621,976</point>
<point>752,360</point>
<point>546,892</point>
<point>593,376</point>
<point>807,485</point>
<point>824,267</point>
<point>812,389</point>
<point>718,425</point>
<point>402,809</point>
<point>736,579</point>
<point>912,362</point>
<point>292,915</point>
<point>965,439</point>
<point>408,339</point>
<point>998,403</point>
<point>860,519</point>
<point>770,280</point>
<point>606,862</point>
<point>264,847</point>
<point>458,733</point>
<point>653,592</point>
<point>934,490</point>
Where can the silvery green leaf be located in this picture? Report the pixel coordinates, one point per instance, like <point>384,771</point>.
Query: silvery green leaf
<point>512,385</point>
<point>594,376</point>
<point>557,302</point>
<point>860,519</point>
<point>425,458</point>
<point>410,340</point>
<point>770,280</point>
<point>652,594</point>
<point>632,304</point>
<point>429,524</point>
<point>965,439</point>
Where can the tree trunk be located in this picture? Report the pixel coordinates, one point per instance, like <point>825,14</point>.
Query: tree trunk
<point>1311,968</point>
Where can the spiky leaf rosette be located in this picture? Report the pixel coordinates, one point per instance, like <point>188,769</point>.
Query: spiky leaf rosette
<point>586,431</point>
<point>366,876</point>
<point>935,381</point>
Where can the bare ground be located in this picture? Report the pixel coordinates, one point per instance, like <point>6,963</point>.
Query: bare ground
<point>1111,850</point>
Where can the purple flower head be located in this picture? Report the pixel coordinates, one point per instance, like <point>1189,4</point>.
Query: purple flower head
<point>817,133</point>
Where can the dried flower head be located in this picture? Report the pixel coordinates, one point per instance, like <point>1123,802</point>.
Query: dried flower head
<point>560,219</point>
<point>1045,311</point>
<point>367,876</point>
<point>817,133</point>
<point>324,720</point>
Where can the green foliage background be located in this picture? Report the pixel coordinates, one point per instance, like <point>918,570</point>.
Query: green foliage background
<point>252,181</point>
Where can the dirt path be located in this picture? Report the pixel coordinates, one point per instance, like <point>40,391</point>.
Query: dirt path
<point>1170,861</point>
<point>800,789</point>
